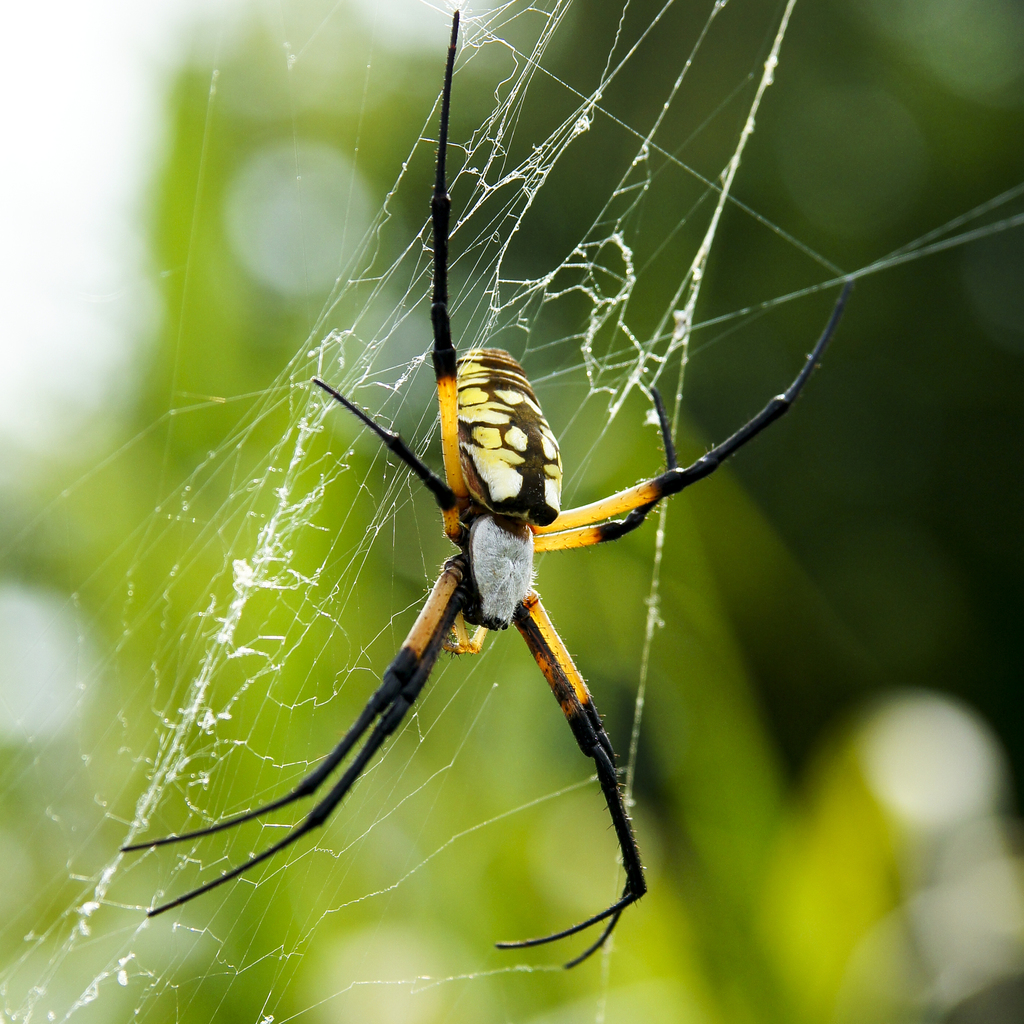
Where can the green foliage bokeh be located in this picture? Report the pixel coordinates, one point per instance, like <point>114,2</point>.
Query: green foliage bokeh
<point>869,542</point>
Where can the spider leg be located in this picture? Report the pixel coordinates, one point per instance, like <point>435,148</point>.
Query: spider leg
<point>463,643</point>
<point>453,495</point>
<point>381,699</point>
<point>572,694</point>
<point>403,680</point>
<point>444,350</point>
<point>574,529</point>
<point>589,535</point>
<point>442,493</point>
<point>666,430</point>
<point>598,942</point>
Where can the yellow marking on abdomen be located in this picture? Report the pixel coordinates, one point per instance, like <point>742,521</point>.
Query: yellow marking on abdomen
<point>497,469</point>
<point>488,437</point>
<point>512,397</point>
<point>487,412</point>
<point>516,438</point>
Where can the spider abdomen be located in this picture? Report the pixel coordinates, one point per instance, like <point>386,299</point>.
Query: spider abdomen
<point>509,455</point>
<point>501,561</point>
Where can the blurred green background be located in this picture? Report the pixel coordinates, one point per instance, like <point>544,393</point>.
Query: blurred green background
<point>824,779</point>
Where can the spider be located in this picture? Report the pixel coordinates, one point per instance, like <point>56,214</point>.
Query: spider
<point>500,502</point>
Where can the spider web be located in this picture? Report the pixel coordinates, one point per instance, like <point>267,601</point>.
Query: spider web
<point>262,597</point>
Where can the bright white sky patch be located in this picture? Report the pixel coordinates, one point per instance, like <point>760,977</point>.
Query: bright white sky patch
<point>42,675</point>
<point>84,88</point>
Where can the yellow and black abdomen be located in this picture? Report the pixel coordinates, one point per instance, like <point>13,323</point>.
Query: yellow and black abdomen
<point>509,455</point>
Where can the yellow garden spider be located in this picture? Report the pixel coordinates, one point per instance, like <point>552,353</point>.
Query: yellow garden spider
<point>501,502</point>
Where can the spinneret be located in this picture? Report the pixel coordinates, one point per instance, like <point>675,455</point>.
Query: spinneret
<point>509,455</point>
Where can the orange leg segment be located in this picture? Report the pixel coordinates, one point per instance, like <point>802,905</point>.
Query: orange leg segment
<point>577,705</point>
